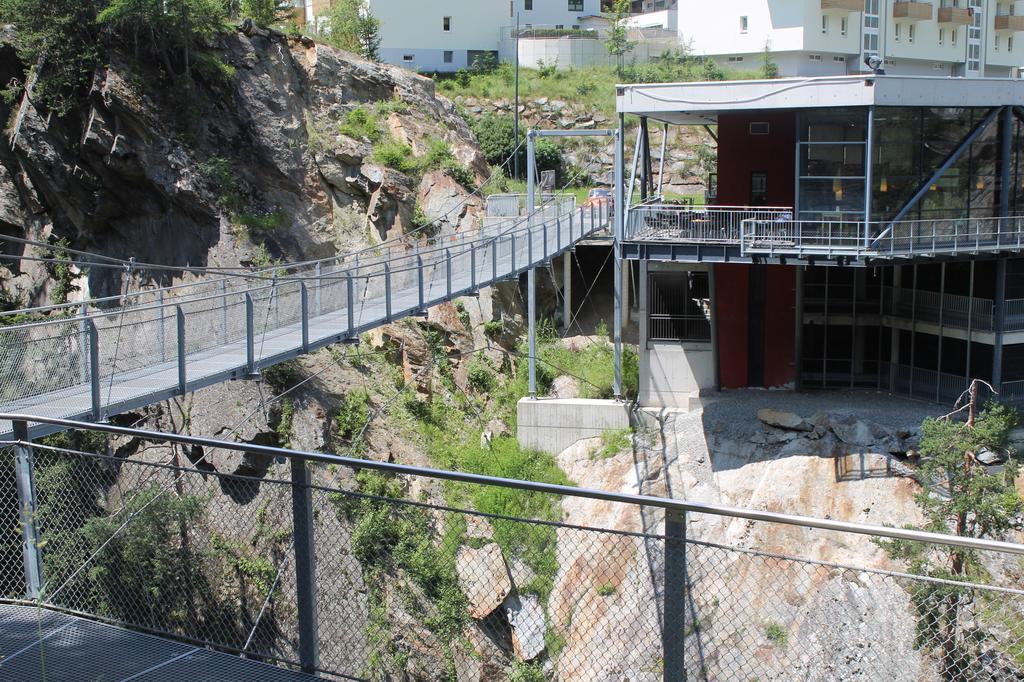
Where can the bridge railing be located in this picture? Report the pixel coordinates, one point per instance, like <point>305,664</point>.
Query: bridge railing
<point>98,363</point>
<point>699,224</point>
<point>365,569</point>
<point>882,239</point>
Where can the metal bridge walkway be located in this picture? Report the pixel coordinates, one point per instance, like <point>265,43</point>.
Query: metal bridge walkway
<point>107,362</point>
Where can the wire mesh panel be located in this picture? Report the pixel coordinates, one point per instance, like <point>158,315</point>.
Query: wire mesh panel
<point>408,579</point>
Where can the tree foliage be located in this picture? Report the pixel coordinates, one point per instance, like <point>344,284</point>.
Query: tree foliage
<point>354,28</point>
<point>961,497</point>
<point>497,139</point>
<point>769,69</point>
<point>265,12</point>
<point>618,43</point>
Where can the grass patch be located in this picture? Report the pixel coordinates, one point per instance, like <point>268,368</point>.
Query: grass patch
<point>606,590</point>
<point>776,634</point>
<point>614,442</point>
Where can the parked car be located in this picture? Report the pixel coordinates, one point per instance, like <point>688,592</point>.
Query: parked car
<point>597,197</point>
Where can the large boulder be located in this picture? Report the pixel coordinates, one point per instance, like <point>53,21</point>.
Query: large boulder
<point>853,431</point>
<point>484,578</point>
<point>783,420</point>
<point>526,616</point>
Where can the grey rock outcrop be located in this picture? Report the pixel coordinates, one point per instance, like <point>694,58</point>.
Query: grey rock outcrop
<point>484,578</point>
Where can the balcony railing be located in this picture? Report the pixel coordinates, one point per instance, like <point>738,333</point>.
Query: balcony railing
<point>1009,22</point>
<point>955,12</point>
<point>905,239</point>
<point>358,577</point>
<point>842,5</point>
<point>914,11</point>
<point>949,310</point>
<point>701,224</point>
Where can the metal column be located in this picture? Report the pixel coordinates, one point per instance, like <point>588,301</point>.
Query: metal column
<point>305,565</point>
<point>531,275</point>
<point>798,345</point>
<point>970,322</point>
<point>645,160</point>
<point>567,290</point>
<point>673,636</point>
<point>620,213</point>
<point>868,156</point>
<point>942,331</point>
<point>1000,324</point>
<point>25,479</point>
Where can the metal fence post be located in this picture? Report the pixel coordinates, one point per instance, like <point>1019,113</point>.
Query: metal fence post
<point>513,270</point>
<point>25,478</point>
<point>448,271</point>
<point>304,305</point>
<point>494,259</point>
<point>318,272</point>
<point>472,266</point>
<point>180,318</point>
<point>83,342</point>
<point>350,294</point>
<point>419,281</point>
<point>673,636</point>
<point>305,565</point>
<point>94,371</point>
<point>250,335</point>
<point>387,292</point>
<point>161,334</point>
<point>224,310</point>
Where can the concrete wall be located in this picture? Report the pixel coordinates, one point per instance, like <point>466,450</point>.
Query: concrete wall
<point>553,424</point>
<point>672,374</point>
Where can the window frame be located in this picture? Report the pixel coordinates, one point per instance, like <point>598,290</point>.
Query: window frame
<point>446,24</point>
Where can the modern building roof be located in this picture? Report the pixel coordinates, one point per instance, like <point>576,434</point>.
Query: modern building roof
<point>702,102</point>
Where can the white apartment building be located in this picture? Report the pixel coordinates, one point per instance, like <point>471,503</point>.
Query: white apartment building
<point>970,38</point>
<point>448,35</point>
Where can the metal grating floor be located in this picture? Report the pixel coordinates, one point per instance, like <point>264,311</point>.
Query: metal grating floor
<point>36,644</point>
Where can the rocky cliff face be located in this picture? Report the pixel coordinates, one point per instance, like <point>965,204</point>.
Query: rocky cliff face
<point>253,158</point>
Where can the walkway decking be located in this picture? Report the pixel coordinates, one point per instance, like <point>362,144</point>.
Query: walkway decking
<point>111,362</point>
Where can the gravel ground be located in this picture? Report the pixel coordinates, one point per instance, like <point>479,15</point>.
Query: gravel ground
<point>733,414</point>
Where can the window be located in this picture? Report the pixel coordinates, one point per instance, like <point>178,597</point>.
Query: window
<point>824,23</point>
<point>760,128</point>
<point>559,27</point>
<point>910,33</point>
<point>528,5</point>
<point>575,5</point>
<point>447,24</point>
<point>758,189</point>
<point>1009,43</point>
<point>952,36</point>
<point>814,57</point>
<point>997,43</point>
<point>898,32</point>
<point>744,24</point>
<point>839,58</point>
<point>679,307</point>
<point>408,58</point>
<point>842,26</point>
<point>735,59</point>
<point>942,35</point>
<point>449,56</point>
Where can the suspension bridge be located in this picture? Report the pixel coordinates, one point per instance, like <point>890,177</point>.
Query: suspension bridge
<point>92,362</point>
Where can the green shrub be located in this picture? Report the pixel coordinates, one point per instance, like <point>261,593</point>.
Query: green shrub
<point>481,375</point>
<point>496,136</point>
<point>460,308</point>
<point>261,223</point>
<point>614,442</point>
<point>284,423</point>
<point>494,328</point>
<point>463,77</point>
<point>546,70</point>
<point>606,590</point>
<point>353,414</point>
<point>396,155</point>
<point>212,68</point>
<point>361,124</point>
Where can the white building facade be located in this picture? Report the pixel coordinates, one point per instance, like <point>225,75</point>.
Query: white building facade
<point>972,38</point>
<point>448,35</point>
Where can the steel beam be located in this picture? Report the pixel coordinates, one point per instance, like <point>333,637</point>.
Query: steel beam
<point>531,276</point>
<point>964,145</point>
<point>305,566</point>
<point>673,635</point>
<point>620,216</point>
<point>24,466</point>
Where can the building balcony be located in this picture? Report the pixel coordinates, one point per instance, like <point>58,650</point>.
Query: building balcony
<point>912,11</point>
<point>842,6</point>
<point>956,16</point>
<point>1009,23</point>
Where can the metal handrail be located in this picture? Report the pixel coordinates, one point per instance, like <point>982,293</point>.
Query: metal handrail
<point>533,486</point>
<point>382,263</point>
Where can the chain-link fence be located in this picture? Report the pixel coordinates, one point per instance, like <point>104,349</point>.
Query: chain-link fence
<point>365,570</point>
<point>106,362</point>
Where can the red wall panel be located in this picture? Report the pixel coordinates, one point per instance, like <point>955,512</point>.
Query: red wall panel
<point>731,283</point>
<point>780,325</point>
<point>740,154</point>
